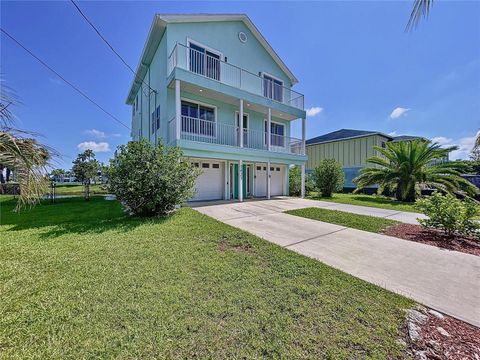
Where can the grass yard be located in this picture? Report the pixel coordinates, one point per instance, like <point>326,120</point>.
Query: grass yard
<point>78,189</point>
<point>81,280</point>
<point>361,222</point>
<point>377,201</point>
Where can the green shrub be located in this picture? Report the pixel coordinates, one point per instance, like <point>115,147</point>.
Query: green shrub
<point>151,181</point>
<point>450,214</point>
<point>328,177</point>
<point>295,182</point>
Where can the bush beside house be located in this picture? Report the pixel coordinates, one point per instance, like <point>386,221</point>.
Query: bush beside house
<point>150,180</point>
<point>328,177</point>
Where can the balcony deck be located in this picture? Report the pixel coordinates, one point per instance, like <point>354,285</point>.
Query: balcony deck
<point>195,62</point>
<point>210,132</point>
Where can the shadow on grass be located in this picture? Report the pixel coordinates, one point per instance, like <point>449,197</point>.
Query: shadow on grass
<point>71,216</point>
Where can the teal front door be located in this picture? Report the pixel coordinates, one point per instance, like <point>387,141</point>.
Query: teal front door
<point>234,180</point>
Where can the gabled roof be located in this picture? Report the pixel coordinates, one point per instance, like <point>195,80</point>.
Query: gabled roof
<point>159,25</point>
<point>344,134</point>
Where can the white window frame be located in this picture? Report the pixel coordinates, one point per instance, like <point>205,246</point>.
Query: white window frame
<point>275,78</point>
<point>203,104</point>
<point>215,51</point>
<point>265,124</point>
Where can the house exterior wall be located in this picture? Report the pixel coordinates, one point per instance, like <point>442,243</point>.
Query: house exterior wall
<point>251,56</point>
<point>223,37</point>
<point>352,154</point>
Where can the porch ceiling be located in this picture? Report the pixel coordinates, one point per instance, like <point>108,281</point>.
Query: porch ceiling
<point>209,93</point>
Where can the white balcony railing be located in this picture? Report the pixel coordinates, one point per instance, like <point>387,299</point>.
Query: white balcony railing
<point>214,68</point>
<point>211,132</point>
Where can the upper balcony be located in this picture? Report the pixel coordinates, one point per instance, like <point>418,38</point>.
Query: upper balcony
<point>212,67</point>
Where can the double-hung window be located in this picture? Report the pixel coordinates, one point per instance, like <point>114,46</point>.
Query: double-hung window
<point>198,119</point>
<point>272,88</point>
<point>277,134</point>
<point>204,62</point>
<point>156,119</point>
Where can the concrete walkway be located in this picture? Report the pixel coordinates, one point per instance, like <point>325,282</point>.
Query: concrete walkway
<point>448,281</point>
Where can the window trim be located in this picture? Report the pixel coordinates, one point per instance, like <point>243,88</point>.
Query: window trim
<point>199,103</point>
<point>209,49</point>
<point>274,78</point>
<point>278,123</point>
<point>248,119</point>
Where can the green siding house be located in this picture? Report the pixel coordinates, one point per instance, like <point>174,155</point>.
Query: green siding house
<point>351,148</point>
<point>212,85</point>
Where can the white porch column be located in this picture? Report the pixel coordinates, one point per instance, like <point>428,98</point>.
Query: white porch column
<point>269,122</point>
<point>240,180</point>
<point>303,136</point>
<point>268,177</point>
<point>240,123</point>
<point>178,110</point>
<point>303,181</point>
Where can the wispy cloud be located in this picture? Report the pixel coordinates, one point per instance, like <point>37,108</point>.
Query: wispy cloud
<point>465,145</point>
<point>314,110</point>
<point>393,133</point>
<point>96,133</point>
<point>398,112</point>
<point>92,145</point>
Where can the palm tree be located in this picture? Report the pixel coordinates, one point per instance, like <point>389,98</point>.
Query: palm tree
<point>420,9</point>
<point>408,166</point>
<point>22,154</point>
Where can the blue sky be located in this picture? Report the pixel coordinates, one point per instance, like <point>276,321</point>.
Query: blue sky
<point>355,63</point>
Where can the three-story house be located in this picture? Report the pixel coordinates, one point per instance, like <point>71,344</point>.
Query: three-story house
<point>212,85</point>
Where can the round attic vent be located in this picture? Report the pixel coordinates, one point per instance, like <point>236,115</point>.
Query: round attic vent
<point>242,37</point>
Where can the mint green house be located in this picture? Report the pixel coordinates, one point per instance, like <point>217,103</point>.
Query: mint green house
<point>212,85</point>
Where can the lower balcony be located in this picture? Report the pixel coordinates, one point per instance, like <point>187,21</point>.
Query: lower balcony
<point>212,132</point>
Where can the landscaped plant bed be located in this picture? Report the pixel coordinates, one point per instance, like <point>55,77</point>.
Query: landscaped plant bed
<point>418,233</point>
<point>433,335</point>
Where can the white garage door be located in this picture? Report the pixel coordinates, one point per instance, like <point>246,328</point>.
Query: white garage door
<point>209,184</point>
<point>276,182</point>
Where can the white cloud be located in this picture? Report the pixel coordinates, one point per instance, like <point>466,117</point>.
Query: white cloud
<point>442,140</point>
<point>96,133</point>
<point>398,112</point>
<point>92,145</point>
<point>314,110</point>
<point>465,145</point>
<point>393,133</point>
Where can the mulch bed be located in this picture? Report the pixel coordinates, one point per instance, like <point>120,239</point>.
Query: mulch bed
<point>444,337</point>
<point>418,233</point>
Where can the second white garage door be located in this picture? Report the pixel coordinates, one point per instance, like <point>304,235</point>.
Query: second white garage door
<point>276,183</point>
<point>209,185</point>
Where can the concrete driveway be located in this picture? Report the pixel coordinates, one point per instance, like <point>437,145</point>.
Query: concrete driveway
<point>448,281</point>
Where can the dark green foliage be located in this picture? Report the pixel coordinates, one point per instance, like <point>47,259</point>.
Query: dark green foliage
<point>149,180</point>
<point>406,167</point>
<point>328,177</point>
<point>449,214</point>
<point>295,182</point>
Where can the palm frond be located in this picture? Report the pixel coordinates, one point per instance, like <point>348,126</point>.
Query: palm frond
<point>420,9</point>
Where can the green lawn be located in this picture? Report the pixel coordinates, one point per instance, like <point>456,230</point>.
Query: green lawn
<point>367,200</point>
<point>81,280</point>
<point>64,189</point>
<point>361,222</point>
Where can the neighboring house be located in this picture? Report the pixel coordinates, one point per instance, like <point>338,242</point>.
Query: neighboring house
<point>197,77</point>
<point>351,148</point>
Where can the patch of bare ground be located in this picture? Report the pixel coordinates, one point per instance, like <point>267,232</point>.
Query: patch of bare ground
<point>433,335</point>
<point>224,245</point>
<point>420,234</point>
